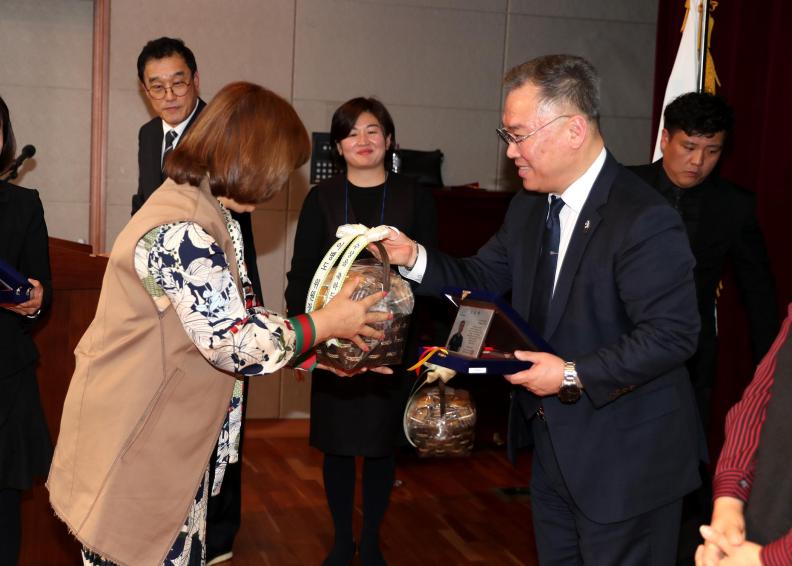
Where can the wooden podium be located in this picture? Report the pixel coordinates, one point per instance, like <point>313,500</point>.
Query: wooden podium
<point>76,282</point>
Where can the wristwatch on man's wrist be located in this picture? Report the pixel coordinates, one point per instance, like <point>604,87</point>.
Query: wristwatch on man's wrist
<point>570,385</point>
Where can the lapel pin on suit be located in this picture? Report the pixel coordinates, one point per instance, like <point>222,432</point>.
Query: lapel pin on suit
<point>586,226</point>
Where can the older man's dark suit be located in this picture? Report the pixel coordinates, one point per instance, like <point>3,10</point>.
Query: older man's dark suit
<point>224,514</point>
<point>150,175</point>
<point>722,228</point>
<point>624,309</point>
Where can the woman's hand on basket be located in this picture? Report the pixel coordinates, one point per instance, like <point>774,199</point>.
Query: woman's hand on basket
<point>344,317</point>
<point>341,373</point>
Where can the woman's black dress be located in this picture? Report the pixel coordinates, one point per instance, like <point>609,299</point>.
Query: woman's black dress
<point>359,415</point>
<point>25,447</point>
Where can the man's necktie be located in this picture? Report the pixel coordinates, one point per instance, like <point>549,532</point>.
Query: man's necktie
<point>170,137</point>
<point>546,268</point>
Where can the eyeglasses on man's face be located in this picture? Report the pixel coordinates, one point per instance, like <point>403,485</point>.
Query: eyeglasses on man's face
<point>510,138</point>
<point>178,88</point>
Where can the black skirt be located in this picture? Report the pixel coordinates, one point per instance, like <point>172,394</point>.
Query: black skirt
<point>25,445</point>
<point>359,415</point>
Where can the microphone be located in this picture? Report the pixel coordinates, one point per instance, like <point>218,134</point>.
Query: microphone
<point>27,152</point>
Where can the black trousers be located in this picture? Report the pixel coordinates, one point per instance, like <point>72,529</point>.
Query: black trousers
<point>566,537</point>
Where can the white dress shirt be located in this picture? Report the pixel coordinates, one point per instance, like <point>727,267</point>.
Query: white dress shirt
<point>574,198</point>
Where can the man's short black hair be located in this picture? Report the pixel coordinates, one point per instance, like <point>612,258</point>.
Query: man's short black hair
<point>165,47</point>
<point>699,114</point>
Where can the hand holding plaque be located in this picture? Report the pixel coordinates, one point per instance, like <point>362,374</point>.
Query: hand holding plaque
<point>485,336</point>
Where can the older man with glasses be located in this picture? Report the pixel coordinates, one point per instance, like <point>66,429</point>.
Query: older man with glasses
<point>600,266</point>
<point>169,76</point>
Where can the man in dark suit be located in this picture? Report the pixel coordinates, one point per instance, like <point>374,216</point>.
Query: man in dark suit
<point>168,74</point>
<point>721,224</point>
<point>720,220</point>
<point>599,264</point>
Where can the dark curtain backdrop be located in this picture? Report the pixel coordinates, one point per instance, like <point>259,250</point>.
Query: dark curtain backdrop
<point>753,58</point>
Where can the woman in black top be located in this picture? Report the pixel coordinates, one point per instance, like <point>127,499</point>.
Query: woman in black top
<point>25,448</point>
<point>359,415</point>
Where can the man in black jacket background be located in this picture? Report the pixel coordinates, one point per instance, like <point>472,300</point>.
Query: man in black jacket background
<point>720,219</point>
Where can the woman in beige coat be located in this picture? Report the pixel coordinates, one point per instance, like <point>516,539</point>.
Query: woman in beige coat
<point>156,381</point>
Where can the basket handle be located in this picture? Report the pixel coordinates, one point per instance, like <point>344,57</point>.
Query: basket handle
<point>341,255</point>
<point>386,282</point>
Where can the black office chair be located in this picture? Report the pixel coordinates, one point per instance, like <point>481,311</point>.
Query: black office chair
<point>423,166</point>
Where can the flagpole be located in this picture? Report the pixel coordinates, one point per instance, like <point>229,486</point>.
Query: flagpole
<point>703,36</point>
<point>688,73</point>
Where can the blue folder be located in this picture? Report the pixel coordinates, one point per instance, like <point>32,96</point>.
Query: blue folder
<point>14,287</point>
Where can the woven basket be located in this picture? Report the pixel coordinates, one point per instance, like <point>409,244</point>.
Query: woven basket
<point>441,421</point>
<point>374,277</point>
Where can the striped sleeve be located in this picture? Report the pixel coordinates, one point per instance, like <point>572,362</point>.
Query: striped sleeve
<point>304,356</point>
<point>736,465</point>
<point>306,362</point>
<point>305,330</point>
<point>778,552</point>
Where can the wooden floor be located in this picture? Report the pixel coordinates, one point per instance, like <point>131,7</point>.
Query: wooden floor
<point>445,511</point>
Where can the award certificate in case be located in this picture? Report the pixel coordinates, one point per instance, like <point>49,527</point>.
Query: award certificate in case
<point>485,334</point>
<point>14,287</point>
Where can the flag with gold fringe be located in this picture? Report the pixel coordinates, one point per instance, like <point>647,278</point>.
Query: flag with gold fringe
<point>687,65</point>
